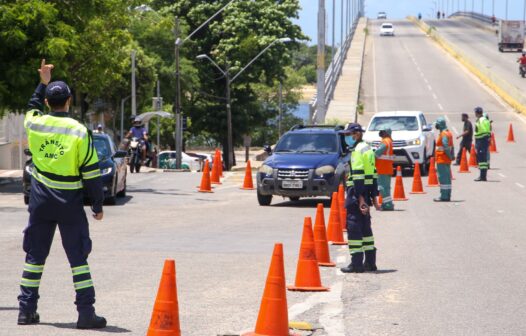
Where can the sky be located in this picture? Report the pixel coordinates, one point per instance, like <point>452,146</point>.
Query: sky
<point>398,9</point>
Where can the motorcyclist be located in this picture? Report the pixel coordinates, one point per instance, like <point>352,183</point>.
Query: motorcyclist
<point>139,131</point>
<point>522,60</point>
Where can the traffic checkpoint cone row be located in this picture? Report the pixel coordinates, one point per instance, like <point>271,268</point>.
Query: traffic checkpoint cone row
<point>473,157</point>
<point>165,315</point>
<point>511,137</point>
<point>342,209</point>
<point>320,239</point>
<point>206,186</point>
<point>464,168</point>
<point>220,163</point>
<point>248,183</point>
<point>334,228</point>
<point>308,278</point>
<point>273,318</point>
<point>493,144</point>
<point>432,178</point>
<point>417,181</point>
<point>399,193</point>
<point>215,174</point>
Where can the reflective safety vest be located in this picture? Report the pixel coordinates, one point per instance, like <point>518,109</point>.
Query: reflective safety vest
<point>384,163</point>
<point>440,150</point>
<point>62,151</point>
<point>363,167</point>
<point>482,128</point>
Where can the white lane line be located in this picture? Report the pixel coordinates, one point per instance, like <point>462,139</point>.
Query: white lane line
<point>519,185</point>
<point>375,88</point>
<point>455,129</point>
<point>435,96</point>
<point>440,107</point>
<point>429,87</point>
<point>426,81</point>
<point>502,175</point>
<point>447,119</point>
<point>331,315</point>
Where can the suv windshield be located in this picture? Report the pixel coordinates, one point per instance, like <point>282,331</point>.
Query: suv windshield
<point>308,143</point>
<point>398,123</point>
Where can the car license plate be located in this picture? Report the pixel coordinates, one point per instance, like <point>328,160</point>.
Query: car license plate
<point>292,184</point>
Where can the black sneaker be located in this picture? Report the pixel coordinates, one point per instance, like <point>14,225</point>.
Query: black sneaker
<point>480,179</point>
<point>28,318</point>
<point>91,322</point>
<point>369,268</point>
<point>441,200</point>
<point>352,269</point>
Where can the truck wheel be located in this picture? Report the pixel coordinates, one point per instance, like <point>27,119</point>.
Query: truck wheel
<point>294,199</point>
<point>264,200</point>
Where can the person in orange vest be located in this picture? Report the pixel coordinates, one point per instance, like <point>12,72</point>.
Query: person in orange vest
<point>444,152</point>
<point>384,166</point>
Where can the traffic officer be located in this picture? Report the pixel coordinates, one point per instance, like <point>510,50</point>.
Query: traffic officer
<point>444,153</point>
<point>65,161</point>
<point>362,190</point>
<point>384,166</point>
<point>482,139</point>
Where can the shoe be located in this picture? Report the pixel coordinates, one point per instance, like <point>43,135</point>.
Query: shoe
<point>369,268</point>
<point>352,269</point>
<point>440,200</point>
<point>480,179</point>
<point>456,164</point>
<point>28,318</point>
<point>91,322</point>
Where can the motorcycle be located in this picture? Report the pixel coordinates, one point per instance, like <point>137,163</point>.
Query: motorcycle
<point>522,70</point>
<point>135,154</point>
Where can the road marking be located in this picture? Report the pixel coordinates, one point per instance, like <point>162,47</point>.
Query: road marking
<point>341,259</point>
<point>425,80</point>
<point>429,87</point>
<point>502,175</point>
<point>519,185</point>
<point>375,88</point>
<point>435,96</point>
<point>454,129</point>
<point>440,107</point>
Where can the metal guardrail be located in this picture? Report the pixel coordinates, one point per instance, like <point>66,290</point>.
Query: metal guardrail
<point>476,16</point>
<point>331,77</point>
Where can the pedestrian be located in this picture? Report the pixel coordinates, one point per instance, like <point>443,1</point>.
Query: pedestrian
<point>65,162</point>
<point>467,137</point>
<point>443,15</point>
<point>384,166</point>
<point>482,139</point>
<point>438,15</point>
<point>444,156</point>
<point>362,190</point>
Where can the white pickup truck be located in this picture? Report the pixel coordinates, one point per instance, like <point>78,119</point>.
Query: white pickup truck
<point>413,137</point>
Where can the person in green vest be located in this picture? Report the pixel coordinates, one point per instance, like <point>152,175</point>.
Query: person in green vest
<point>482,139</point>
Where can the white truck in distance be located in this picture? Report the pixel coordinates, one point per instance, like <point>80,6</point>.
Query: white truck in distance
<point>511,35</point>
<point>413,137</point>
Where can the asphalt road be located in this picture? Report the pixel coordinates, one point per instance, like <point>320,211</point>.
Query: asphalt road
<point>449,268</point>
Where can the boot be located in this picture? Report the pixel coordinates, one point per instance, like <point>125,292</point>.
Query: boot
<point>483,176</point>
<point>28,318</point>
<point>91,322</point>
<point>369,264</point>
<point>352,269</point>
<point>440,200</point>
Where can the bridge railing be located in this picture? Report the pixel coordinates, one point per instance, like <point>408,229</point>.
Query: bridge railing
<point>476,16</point>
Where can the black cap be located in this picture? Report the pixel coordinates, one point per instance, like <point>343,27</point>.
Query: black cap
<point>479,109</point>
<point>57,92</point>
<point>353,127</point>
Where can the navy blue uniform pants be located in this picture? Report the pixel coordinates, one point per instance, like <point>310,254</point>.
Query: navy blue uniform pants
<point>360,236</point>
<point>48,209</point>
<point>482,148</point>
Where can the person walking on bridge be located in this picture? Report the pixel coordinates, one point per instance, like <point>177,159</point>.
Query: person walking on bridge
<point>467,138</point>
<point>444,156</point>
<point>482,139</point>
<point>384,166</point>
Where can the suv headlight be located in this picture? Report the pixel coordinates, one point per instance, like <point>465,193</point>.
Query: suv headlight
<point>106,171</point>
<point>324,170</point>
<point>415,142</point>
<point>267,170</point>
<point>29,169</point>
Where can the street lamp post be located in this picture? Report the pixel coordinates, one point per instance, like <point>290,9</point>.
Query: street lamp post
<point>123,101</point>
<point>506,16</point>
<point>229,80</point>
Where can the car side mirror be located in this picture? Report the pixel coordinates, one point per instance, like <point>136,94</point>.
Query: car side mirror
<point>27,152</point>
<point>427,128</point>
<point>267,149</point>
<point>120,154</point>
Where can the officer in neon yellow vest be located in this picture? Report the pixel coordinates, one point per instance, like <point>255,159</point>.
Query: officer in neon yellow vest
<point>482,139</point>
<point>362,190</point>
<point>65,162</point>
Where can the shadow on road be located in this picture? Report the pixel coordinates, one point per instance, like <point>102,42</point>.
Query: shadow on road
<point>11,188</point>
<point>305,203</point>
<point>108,329</point>
<point>8,308</point>
<point>173,192</point>
<point>385,271</point>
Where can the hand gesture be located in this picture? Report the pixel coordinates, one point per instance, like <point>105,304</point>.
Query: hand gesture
<point>98,216</point>
<point>45,72</point>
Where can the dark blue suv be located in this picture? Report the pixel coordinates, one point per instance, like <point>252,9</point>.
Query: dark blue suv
<point>308,161</point>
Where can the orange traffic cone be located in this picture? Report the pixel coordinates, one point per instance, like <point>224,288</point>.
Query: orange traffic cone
<point>399,193</point>
<point>417,181</point>
<point>206,186</point>
<point>273,318</point>
<point>464,162</point>
<point>380,199</point>
<point>308,276</point>
<point>473,157</point>
<point>432,178</point>
<point>165,316</point>
<point>214,178</point>
<point>511,137</point>
<point>248,184</point>
<point>220,163</point>
<point>320,239</point>
<point>492,144</point>
<point>334,228</point>
<point>341,204</point>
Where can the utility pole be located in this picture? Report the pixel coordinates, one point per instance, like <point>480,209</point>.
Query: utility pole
<point>159,109</point>
<point>482,9</point>
<point>524,12</point>
<point>341,27</point>
<point>321,108</point>
<point>333,52</point>
<point>230,152</point>
<point>280,110</point>
<point>506,16</point>
<point>177,106</point>
<point>133,93</point>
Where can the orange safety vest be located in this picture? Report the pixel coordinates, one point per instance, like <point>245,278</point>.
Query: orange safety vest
<point>384,163</point>
<point>441,156</point>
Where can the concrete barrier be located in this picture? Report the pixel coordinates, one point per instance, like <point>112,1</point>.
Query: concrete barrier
<point>509,93</point>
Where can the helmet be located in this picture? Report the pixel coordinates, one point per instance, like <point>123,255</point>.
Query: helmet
<point>524,53</point>
<point>353,127</point>
<point>441,123</point>
<point>384,130</point>
<point>479,109</point>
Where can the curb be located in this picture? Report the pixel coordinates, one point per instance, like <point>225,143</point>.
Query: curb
<point>501,92</point>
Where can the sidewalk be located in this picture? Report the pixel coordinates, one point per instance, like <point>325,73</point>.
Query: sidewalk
<point>10,176</point>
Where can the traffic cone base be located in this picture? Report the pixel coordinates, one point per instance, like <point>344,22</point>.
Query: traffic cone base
<point>308,289</point>
<point>329,264</point>
<point>338,243</point>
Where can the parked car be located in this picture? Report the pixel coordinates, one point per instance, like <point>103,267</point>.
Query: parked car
<point>167,160</point>
<point>112,165</point>
<point>308,161</point>
<point>381,16</point>
<point>413,137</point>
<point>387,29</point>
